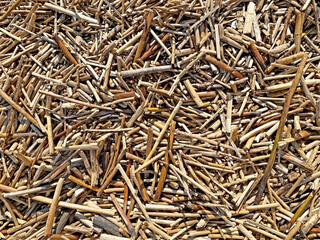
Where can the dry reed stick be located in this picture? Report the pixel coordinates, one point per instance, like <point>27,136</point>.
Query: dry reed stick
<point>280,129</point>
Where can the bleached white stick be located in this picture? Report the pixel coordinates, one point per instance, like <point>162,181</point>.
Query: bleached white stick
<point>70,13</point>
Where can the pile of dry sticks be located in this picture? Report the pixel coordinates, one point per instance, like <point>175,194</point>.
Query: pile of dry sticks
<point>167,119</point>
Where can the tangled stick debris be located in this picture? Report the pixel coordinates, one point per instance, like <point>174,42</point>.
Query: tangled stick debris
<point>151,119</point>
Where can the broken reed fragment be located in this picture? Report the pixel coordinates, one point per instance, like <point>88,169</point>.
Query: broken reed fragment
<point>250,16</point>
<point>9,10</point>
<point>18,108</point>
<point>301,209</point>
<point>70,13</point>
<point>298,31</point>
<point>257,55</point>
<point>193,93</point>
<point>184,72</point>
<point>64,49</point>
<point>163,131</point>
<point>165,167</point>
<point>151,50</point>
<point>144,35</point>
<point>223,66</point>
<point>285,60</point>
<point>286,24</point>
<point>143,71</point>
<point>52,210</point>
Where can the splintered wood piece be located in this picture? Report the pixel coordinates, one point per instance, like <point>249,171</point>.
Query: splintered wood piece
<point>250,18</point>
<point>53,206</point>
<point>313,220</point>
